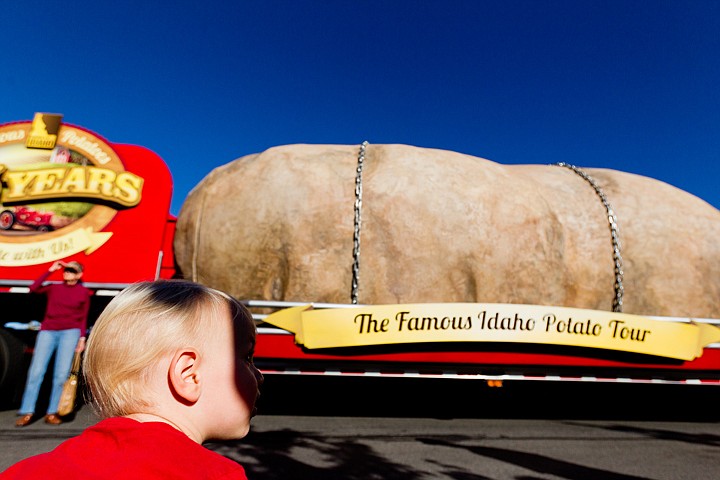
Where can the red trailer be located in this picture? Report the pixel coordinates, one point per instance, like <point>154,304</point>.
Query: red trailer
<point>107,205</point>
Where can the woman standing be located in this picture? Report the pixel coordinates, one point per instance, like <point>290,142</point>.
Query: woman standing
<point>62,332</point>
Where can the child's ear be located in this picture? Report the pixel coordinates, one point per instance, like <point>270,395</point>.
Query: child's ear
<point>184,375</point>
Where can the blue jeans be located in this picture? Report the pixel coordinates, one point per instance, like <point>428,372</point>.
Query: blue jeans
<point>63,343</point>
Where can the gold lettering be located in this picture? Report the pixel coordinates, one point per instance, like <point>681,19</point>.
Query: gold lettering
<point>46,181</point>
<point>17,183</point>
<point>75,181</point>
<point>128,188</point>
<point>123,188</point>
<point>101,181</point>
<point>47,142</point>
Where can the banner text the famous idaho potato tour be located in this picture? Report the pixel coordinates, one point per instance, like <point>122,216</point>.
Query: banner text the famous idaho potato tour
<point>680,338</point>
<point>404,321</point>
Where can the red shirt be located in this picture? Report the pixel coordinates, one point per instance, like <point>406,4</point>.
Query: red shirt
<point>124,448</point>
<point>67,305</point>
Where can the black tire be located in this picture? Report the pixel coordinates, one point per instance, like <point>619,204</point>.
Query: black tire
<point>12,369</point>
<point>7,220</point>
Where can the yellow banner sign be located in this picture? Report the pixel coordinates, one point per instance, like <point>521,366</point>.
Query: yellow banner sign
<point>471,322</point>
<point>83,239</point>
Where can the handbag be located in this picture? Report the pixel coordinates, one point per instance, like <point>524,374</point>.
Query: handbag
<point>69,391</point>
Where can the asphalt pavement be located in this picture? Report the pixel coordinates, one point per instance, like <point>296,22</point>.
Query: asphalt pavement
<point>359,429</point>
<point>38,437</point>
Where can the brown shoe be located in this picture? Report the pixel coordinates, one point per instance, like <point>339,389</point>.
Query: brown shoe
<point>52,419</point>
<point>24,420</point>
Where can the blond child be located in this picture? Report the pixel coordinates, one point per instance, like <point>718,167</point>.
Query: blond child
<point>168,365</point>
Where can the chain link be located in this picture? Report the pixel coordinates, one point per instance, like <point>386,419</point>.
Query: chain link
<point>358,221</point>
<point>612,221</point>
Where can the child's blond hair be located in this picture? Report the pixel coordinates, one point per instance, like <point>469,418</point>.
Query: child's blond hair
<point>144,322</point>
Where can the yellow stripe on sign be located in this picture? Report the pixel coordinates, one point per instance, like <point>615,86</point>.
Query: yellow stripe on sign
<point>478,322</point>
<point>35,253</point>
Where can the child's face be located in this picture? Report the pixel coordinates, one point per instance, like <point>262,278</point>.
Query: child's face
<point>234,383</point>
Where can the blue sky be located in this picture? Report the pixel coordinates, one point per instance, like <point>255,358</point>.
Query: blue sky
<point>623,84</point>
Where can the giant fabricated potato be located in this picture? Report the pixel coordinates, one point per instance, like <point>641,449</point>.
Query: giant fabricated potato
<point>439,226</point>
